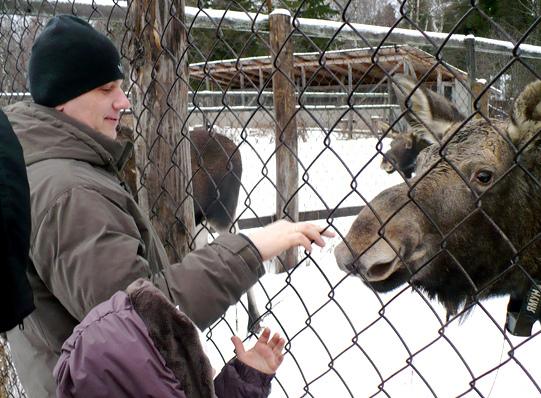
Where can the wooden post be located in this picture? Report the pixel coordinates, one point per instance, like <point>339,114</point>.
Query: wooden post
<point>469,42</point>
<point>4,369</point>
<point>391,98</point>
<point>406,67</point>
<point>439,84</point>
<point>261,80</point>
<point>160,98</point>
<point>350,92</point>
<point>242,99</point>
<point>477,89</point>
<point>283,84</point>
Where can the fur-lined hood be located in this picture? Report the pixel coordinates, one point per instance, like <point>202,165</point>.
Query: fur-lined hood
<point>138,344</point>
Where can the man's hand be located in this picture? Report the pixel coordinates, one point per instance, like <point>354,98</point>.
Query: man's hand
<point>277,237</point>
<point>266,356</point>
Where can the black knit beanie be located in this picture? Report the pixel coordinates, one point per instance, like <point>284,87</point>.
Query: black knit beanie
<point>70,58</point>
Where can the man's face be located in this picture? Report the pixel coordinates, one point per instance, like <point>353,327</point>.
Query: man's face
<point>99,108</point>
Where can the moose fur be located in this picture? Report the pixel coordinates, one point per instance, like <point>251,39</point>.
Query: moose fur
<point>466,226</point>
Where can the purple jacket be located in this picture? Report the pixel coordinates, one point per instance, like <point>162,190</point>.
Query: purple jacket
<point>137,344</point>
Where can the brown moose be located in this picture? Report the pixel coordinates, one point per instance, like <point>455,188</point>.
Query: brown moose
<point>467,226</point>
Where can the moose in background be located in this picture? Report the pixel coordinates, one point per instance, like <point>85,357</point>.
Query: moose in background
<point>216,176</point>
<point>402,156</point>
<point>216,180</point>
<point>424,104</point>
<point>467,226</point>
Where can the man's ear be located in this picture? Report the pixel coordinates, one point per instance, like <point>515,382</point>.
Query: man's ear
<point>60,108</point>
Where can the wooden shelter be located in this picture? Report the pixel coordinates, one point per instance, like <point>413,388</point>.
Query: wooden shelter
<point>349,67</point>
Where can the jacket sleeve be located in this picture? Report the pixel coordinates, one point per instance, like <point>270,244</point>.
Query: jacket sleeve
<point>209,280</point>
<point>85,261</point>
<point>237,380</point>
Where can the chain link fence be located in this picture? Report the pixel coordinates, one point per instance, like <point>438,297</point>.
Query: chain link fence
<point>304,98</point>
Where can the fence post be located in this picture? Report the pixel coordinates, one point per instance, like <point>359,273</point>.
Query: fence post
<point>283,84</point>
<point>4,372</point>
<point>469,42</point>
<point>477,88</point>
<point>352,99</point>
<point>159,79</point>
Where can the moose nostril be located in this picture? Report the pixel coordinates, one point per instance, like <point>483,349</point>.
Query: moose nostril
<point>352,267</point>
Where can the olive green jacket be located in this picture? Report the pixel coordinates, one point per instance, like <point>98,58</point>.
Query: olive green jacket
<point>90,239</point>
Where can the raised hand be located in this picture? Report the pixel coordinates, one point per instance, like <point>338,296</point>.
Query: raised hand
<point>266,356</point>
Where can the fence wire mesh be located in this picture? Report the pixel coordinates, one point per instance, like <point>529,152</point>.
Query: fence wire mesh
<point>417,306</point>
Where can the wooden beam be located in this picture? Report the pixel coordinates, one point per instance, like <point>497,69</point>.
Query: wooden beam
<point>255,222</point>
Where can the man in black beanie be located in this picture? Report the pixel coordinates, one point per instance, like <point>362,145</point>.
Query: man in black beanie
<point>70,58</point>
<point>89,237</point>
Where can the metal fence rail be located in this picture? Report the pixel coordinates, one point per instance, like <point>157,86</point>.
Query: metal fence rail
<point>317,106</point>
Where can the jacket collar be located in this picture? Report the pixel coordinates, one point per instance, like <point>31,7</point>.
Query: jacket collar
<point>47,133</point>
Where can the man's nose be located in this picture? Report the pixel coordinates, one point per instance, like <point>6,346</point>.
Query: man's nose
<point>122,101</point>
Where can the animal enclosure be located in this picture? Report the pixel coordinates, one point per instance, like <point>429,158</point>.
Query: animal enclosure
<point>310,93</point>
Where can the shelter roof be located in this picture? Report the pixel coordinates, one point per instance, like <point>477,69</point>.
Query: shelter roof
<point>330,68</point>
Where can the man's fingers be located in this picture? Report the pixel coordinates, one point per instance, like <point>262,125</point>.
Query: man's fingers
<point>310,228</point>
<point>314,233</point>
<point>239,347</point>
<point>303,241</point>
<point>327,233</point>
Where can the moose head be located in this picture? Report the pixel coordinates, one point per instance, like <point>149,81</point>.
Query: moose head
<point>405,147</point>
<point>468,225</point>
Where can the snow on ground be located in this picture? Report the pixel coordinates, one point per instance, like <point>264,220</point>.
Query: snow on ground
<point>344,340</point>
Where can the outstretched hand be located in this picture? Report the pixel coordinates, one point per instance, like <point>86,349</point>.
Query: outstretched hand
<point>266,356</point>
<point>282,235</point>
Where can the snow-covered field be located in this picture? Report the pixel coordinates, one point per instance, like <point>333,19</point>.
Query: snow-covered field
<point>344,340</point>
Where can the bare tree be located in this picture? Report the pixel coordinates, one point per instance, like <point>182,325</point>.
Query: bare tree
<point>364,11</point>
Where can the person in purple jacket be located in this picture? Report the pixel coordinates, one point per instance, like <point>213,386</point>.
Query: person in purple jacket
<point>137,344</point>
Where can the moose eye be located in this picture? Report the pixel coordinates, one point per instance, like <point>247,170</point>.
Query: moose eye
<point>484,177</point>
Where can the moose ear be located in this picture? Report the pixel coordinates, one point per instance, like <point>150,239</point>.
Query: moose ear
<point>425,107</point>
<point>423,136</point>
<point>526,120</point>
<point>383,127</point>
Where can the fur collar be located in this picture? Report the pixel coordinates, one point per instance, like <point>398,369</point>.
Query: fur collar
<point>175,337</point>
